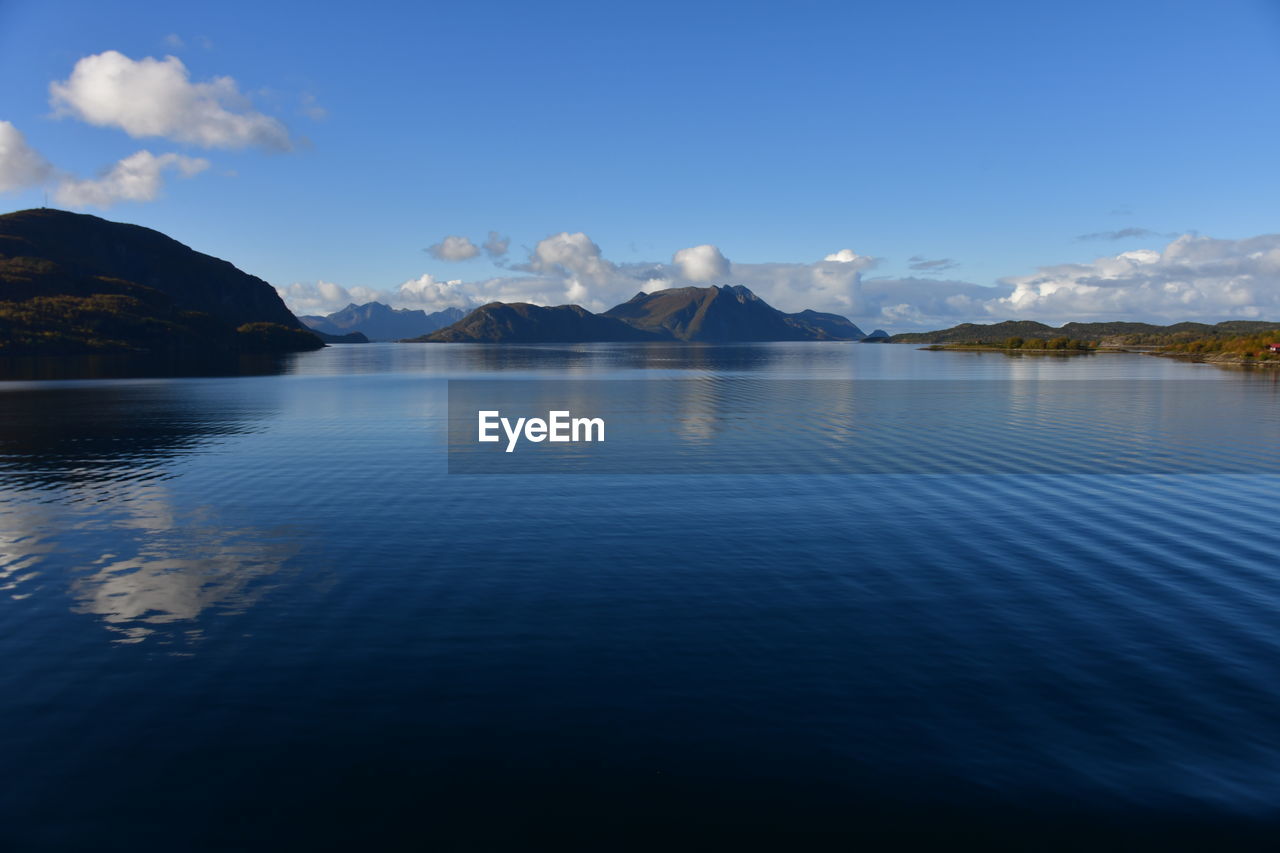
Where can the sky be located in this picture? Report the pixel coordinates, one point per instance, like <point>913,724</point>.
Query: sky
<point>908,164</point>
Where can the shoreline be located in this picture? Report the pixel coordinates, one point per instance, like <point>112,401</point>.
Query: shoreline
<point>1218,358</point>
<point>1193,358</point>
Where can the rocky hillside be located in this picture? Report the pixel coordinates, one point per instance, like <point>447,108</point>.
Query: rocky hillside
<point>74,283</point>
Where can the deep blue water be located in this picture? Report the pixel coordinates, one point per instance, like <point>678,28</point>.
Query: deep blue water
<point>257,612</point>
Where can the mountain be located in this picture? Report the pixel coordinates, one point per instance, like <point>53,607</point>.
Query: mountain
<point>522,323</point>
<point>379,322</point>
<point>706,314</point>
<point>725,314</point>
<point>879,336</point>
<point>977,333</point>
<point>823,326</point>
<point>1108,333</point>
<point>712,314</point>
<point>74,283</point>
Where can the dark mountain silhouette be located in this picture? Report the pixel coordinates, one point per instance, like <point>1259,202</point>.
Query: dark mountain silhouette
<point>379,322</point>
<point>729,313</point>
<point>711,314</point>
<point>74,283</point>
<point>520,322</point>
<point>879,336</point>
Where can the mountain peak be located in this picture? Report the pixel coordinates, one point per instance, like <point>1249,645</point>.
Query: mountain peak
<point>724,313</point>
<point>380,322</point>
<point>521,322</point>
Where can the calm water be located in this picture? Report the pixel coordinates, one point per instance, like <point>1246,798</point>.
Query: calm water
<point>258,613</point>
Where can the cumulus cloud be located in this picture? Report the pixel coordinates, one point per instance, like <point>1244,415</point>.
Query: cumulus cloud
<point>138,177</point>
<point>923,264</point>
<point>435,295</point>
<point>21,166</point>
<point>1192,278</point>
<point>424,292</point>
<point>844,256</point>
<point>496,246</point>
<point>828,285</point>
<point>453,248</point>
<point>576,263</point>
<point>701,263</point>
<point>324,297</point>
<point>156,98</point>
<point>569,254</point>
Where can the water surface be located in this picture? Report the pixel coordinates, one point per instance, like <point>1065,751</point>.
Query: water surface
<point>257,612</point>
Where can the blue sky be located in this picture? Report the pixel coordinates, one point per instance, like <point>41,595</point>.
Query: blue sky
<point>981,140</point>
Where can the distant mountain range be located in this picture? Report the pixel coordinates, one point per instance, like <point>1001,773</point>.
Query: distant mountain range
<point>379,322</point>
<point>71,283</point>
<point>1107,334</point>
<point>710,314</point>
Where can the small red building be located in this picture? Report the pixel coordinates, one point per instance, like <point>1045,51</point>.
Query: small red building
<point>1273,347</point>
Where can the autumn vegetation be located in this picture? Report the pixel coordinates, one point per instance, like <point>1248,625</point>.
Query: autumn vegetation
<point>1243,347</point>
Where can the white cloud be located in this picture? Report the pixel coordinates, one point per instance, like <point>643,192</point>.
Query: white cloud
<point>701,263</point>
<point>844,256</point>
<point>570,254</point>
<point>324,297</point>
<point>425,292</point>
<point>828,285</point>
<point>138,177</point>
<point>1192,278</point>
<point>155,97</point>
<point>576,264</point>
<point>430,293</point>
<point>21,166</point>
<point>454,248</point>
<point>173,41</point>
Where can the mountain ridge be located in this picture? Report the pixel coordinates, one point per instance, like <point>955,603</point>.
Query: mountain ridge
<point>715,314</point>
<point>75,283</point>
<point>521,322</point>
<point>380,322</point>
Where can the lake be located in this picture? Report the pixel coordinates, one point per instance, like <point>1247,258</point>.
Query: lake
<point>806,593</point>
